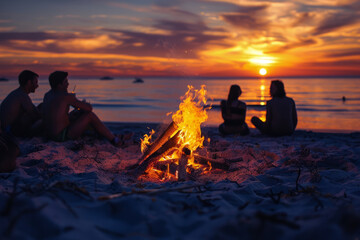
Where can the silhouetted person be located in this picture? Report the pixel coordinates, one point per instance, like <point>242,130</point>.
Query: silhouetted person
<point>9,150</point>
<point>59,124</point>
<point>233,112</point>
<point>343,98</point>
<point>281,116</point>
<point>18,114</point>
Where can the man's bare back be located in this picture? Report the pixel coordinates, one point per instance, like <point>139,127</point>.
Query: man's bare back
<point>56,106</point>
<point>17,112</point>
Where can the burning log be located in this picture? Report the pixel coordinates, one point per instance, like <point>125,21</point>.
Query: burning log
<point>183,161</point>
<point>145,163</point>
<point>167,165</point>
<point>183,132</point>
<point>215,163</point>
<point>160,141</point>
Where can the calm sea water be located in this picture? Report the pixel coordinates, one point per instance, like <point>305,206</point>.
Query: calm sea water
<point>318,100</point>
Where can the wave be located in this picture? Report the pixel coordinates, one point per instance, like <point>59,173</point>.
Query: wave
<point>304,109</point>
<point>340,99</point>
<point>326,110</point>
<point>249,106</point>
<point>100,105</point>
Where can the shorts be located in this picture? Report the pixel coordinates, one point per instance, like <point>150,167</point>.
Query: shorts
<point>62,136</point>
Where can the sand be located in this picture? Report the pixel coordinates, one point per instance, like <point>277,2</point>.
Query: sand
<point>304,186</point>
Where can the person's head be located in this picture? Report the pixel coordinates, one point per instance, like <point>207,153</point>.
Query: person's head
<point>234,93</point>
<point>29,80</point>
<point>277,89</point>
<point>58,79</point>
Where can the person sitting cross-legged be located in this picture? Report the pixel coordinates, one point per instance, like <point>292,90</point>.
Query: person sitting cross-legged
<point>233,112</point>
<point>60,125</point>
<point>281,115</point>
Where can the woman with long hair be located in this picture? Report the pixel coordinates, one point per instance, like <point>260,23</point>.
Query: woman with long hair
<point>233,112</point>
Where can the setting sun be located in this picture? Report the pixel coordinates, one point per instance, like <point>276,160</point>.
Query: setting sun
<point>262,71</point>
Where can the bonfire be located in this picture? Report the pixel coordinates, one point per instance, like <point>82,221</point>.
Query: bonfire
<point>173,154</point>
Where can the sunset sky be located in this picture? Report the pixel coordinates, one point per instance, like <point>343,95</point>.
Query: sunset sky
<point>181,37</point>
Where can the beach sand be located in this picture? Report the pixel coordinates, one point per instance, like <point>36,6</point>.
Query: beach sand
<point>305,186</point>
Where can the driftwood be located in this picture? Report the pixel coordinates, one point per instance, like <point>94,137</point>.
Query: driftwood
<point>219,163</point>
<point>159,142</point>
<point>149,191</point>
<point>171,143</point>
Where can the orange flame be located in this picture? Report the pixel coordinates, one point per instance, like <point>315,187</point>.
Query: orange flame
<point>189,117</point>
<point>146,141</point>
<point>191,114</point>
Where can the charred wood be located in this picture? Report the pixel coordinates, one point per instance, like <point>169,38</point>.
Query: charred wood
<point>219,163</point>
<point>168,146</point>
<point>159,142</point>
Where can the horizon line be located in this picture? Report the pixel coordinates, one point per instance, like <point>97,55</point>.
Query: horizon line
<point>197,76</point>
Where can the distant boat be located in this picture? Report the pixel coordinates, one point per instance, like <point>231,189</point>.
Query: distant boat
<point>106,78</point>
<point>138,80</point>
<point>2,79</point>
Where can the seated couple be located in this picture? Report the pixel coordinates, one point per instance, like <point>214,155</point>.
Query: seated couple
<point>281,115</point>
<point>51,118</point>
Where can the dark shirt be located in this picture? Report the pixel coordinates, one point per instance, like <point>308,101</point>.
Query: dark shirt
<point>281,116</point>
<point>233,113</point>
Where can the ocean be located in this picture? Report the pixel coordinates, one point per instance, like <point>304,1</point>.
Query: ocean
<point>319,101</point>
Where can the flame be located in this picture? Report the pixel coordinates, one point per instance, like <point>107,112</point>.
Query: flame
<point>191,114</point>
<point>145,142</point>
<point>189,117</point>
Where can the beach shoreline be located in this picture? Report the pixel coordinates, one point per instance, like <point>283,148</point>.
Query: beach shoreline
<point>293,187</point>
<point>157,124</point>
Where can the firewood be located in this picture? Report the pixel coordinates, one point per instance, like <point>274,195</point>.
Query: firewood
<point>183,161</point>
<point>171,143</point>
<point>159,142</point>
<point>167,165</point>
<point>219,163</point>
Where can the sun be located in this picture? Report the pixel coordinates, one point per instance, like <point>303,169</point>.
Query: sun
<point>262,71</point>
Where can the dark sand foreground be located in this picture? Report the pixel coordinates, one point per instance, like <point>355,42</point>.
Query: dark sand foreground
<point>305,186</point>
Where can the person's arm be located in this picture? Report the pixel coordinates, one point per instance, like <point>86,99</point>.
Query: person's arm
<point>243,111</point>
<point>30,108</point>
<point>77,104</point>
<point>268,120</point>
<point>3,145</point>
<point>224,110</point>
<point>294,115</point>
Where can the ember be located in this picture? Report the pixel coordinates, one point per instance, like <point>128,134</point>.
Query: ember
<point>171,155</point>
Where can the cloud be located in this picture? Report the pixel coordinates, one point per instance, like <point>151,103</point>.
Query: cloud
<point>174,39</point>
<point>339,64</point>
<point>182,44</point>
<point>303,18</point>
<point>183,40</point>
<point>336,21</point>
<point>291,45</point>
<point>34,36</point>
<point>352,53</point>
<point>177,26</point>
<point>247,17</point>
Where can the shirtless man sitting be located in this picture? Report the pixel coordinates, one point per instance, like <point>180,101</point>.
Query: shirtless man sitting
<point>59,124</point>
<point>18,114</point>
